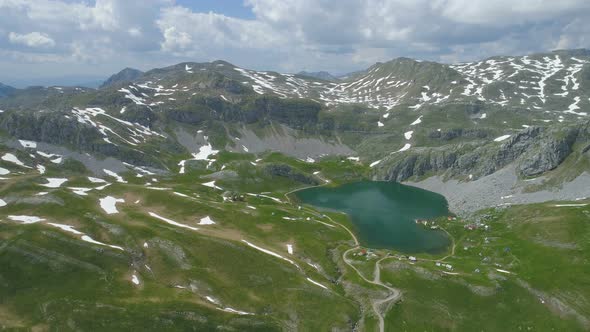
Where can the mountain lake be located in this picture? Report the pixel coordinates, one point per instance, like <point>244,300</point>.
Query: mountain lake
<point>384,213</point>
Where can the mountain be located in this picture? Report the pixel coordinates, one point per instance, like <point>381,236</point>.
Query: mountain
<point>124,76</point>
<point>164,200</point>
<point>6,90</point>
<point>322,75</point>
<point>351,75</point>
<point>405,118</point>
<point>86,81</point>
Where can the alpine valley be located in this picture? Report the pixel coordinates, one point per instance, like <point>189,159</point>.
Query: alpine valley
<point>169,199</point>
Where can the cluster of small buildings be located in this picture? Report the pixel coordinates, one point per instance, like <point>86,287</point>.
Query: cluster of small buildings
<point>425,223</point>
<point>366,253</point>
<point>447,266</point>
<point>475,226</point>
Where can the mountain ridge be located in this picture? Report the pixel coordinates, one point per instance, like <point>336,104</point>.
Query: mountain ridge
<point>124,76</point>
<point>323,75</point>
<point>6,90</point>
<point>491,98</point>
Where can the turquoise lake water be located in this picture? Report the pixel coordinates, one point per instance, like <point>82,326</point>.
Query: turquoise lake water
<point>384,213</point>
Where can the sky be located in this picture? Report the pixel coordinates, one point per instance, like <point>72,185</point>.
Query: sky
<point>44,40</point>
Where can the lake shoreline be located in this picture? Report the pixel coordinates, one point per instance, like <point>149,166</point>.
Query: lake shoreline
<point>384,213</point>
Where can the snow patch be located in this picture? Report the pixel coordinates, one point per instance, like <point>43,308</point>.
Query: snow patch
<point>81,191</point>
<point>268,252</point>
<point>206,221</point>
<point>375,163</point>
<point>317,283</point>
<point>135,279</point>
<point>109,204</point>
<point>115,175</point>
<point>28,144</point>
<point>501,138</point>
<point>172,222</point>
<point>26,219</point>
<point>406,147</point>
<point>66,228</point>
<point>204,152</point>
<point>234,311</point>
<point>54,182</point>
<point>13,159</point>
<point>417,121</point>
<point>96,180</point>
<point>504,271</point>
<point>211,184</point>
<point>87,238</point>
<point>212,300</point>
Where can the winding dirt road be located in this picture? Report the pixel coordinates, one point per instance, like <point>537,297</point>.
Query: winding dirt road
<point>394,293</point>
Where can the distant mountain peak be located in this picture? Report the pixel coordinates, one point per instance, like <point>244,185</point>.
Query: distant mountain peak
<point>6,90</point>
<point>573,52</point>
<point>322,75</point>
<point>124,76</point>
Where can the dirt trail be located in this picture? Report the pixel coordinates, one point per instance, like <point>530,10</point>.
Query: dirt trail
<point>394,293</point>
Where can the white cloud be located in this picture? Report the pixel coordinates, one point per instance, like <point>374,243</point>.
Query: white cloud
<point>511,12</point>
<point>181,26</point>
<point>283,35</point>
<point>32,39</point>
<point>175,40</point>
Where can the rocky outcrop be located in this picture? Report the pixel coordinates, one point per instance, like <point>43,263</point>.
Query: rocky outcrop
<point>547,155</point>
<point>450,134</point>
<point>137,114</point>
<point>421,164</point>
<point>491,157</point>
<point>534,150</point>
<point>49,127</point>
<point>286,171</point>
<point>60,128</point>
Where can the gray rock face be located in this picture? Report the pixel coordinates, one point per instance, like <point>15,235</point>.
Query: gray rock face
<point>548,155</point>
<point>515,146</point>
<point>193,117</point>
<point>489,158</point>
<point>288,141</point>
<point>50,127</point>
<point>286,171</point>
<point>59,128</point>
<point>421,164</point>
<point>447,135</point>
<point>535,150</point>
